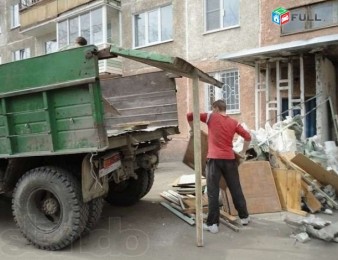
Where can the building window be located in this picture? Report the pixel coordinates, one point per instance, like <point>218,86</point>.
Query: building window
<point>229,92</point>
<point>21,54</point>
<point>90,25</point>
<point>221,14</point>
<point>51,46</point>
<point>15,21</point>
<point>153,27</point>
<point>312,17</point>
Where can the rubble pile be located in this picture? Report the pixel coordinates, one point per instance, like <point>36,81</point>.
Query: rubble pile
<point>297,175</point>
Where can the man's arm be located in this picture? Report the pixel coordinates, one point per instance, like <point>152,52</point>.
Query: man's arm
<point>247,138</point>
<point>190,118</point>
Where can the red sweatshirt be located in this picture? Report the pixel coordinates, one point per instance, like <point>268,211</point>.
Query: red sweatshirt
<point>221,131</point>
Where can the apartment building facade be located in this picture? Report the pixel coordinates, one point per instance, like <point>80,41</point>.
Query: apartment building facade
<point>199,32</point>
<point>13,45</point>
<point>296,65</point>
<point>234,40</point>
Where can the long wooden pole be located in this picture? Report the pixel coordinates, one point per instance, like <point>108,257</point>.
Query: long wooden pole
<point>198,161</point>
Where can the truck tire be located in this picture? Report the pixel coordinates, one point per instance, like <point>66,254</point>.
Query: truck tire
<point>48,208</point>
<point>95,207</point>
<point>128,192</point>
<point>151,177</point>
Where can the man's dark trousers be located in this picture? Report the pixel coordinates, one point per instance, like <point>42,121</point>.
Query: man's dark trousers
<point>229,169</point>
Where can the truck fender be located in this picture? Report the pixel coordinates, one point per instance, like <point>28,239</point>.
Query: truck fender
<point>92,186</point>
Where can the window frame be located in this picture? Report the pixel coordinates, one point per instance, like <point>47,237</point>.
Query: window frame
<point>24,51</point>
<point>308,11</point>
<point>15,16</point>
<point>45,43</point>
<point>221,15</point>
<point>159,27</point>
<point>219,93</point>
<point>78,17</point>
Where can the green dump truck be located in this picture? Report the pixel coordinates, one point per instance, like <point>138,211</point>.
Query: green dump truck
<point>68,139</point>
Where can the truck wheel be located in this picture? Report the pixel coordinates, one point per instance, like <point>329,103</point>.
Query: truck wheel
<point>95,207</point>
<point>151,177</point>
<point>48,207</point>
<point>128,192</point>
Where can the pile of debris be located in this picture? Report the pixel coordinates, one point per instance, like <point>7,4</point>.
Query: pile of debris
<point>280,172</point>
<point>182,202</point>
<point>303,185</point>
<point>305,171</point>
<point>312,226</point>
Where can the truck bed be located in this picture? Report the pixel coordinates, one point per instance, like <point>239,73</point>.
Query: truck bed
<point>146,101</point>
<point>54,105</point>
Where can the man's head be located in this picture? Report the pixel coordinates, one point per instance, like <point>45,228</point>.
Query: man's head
<point>219,106</point>
<point>81,41</point>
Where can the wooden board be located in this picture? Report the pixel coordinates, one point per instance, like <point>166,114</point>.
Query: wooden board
<point>310,200</point>
<point>315,170</point>
<point>189,153</point>
<point>288,183</point>
<point>258,187</point>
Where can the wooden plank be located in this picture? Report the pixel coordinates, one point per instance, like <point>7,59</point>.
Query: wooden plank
<point>191,201</point>
<point>227,216</point>
<point>189,153</point>
<point>310,200</point>
<point>179,197</point>
<point>280,176</point>
<point>198,160</point>
<point>228,224</point>
<point>288,183</point>
<point>258,187</point>
<point>165,196</point>
<point>315,170</point>
<point>310,181</point>
<point>298,212</point>
<point>189,220</point>
<point>293,190</point>
<point>276,161</point>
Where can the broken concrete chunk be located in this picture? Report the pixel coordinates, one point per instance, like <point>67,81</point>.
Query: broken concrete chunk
<point>328,233</point>
<point>328,211</point>
<point>315,221</point>
<point>301,237</point>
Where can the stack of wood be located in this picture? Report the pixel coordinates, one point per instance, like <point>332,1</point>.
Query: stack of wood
<point>300,181</point>
<point>182,202</point>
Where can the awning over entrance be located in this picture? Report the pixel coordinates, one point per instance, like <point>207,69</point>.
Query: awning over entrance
<point>327,44</point>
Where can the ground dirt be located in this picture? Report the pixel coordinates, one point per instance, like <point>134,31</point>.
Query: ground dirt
<point>149,231</point>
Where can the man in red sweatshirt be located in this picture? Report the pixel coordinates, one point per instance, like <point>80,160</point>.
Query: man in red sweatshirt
<point>221,161</point>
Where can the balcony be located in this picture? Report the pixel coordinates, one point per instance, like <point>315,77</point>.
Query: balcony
<point>37,17</point>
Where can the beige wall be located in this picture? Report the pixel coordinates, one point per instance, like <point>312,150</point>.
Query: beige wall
<point>38,13</point>
<point>46,10</point>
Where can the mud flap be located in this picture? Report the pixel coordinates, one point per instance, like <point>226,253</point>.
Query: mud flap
<point>92,186</point>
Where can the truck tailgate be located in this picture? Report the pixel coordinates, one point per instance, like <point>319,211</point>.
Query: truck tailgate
<point>146,101</point>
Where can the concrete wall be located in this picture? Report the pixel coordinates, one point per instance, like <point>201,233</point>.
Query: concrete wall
<point>174,48</point>
<point>191,42</point>
<point>326,84</point>
<point>11,39</point>
<point>38,13</point>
